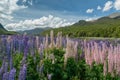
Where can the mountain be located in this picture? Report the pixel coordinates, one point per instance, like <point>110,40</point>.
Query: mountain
<point>115,15</point>
<point>2,28</point>
<point>34,31</point>
<point>108,26</point>
<point>4,31</point>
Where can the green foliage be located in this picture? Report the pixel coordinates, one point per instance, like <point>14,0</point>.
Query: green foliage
<point>32,73</point>
<point>94,73</point>
<point>32,62</point>
<point>0,63</point>
<point>47,66</point>
<point>56,68</point>
<point>73,70</point>
<point>17,62</point>
<point>81,69</point>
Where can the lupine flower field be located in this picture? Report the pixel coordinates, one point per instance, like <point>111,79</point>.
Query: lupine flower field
<point>24,57</point>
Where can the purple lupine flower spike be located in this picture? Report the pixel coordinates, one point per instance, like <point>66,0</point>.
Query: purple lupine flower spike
<point>6,67</point>
<point>11,63</point>
<point>26,47</point>
<point>8,51</point>
<point>5,76</point>
<point>2,67</point>
<point>41,49</point>
<point>12,74</point>
<point>23,71</point>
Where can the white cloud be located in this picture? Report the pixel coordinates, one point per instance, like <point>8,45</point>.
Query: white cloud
<point>91,18</point>
<point>7,7</point>
<point>3,16</point>
<point>30,2</point>
<point>42,22</point>
<point>99,8</point>
<point>108,5</point>
<point>89,10</point>
<point>117,4</point>
<point>24,1</point>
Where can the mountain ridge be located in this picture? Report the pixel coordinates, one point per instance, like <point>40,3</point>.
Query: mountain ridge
<point>4,31</point>
<point>35,31</point>
<point>115,15</point>
<point>102,27</point>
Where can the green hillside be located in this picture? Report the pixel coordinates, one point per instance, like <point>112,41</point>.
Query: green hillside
<point>103,27</point>
<point>4,31</point>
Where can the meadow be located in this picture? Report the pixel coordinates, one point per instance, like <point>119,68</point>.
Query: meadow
<point>25,57</point>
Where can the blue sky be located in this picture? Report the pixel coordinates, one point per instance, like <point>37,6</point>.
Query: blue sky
<point>29,14</point>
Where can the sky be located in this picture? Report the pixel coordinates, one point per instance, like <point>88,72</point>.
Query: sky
<point>19,15</point>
